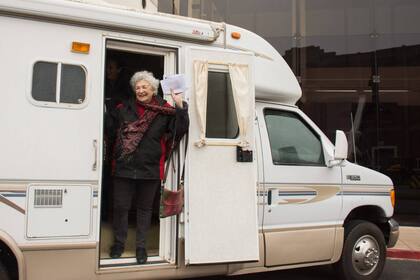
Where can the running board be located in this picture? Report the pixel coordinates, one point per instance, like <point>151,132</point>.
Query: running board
<point>151,261</point>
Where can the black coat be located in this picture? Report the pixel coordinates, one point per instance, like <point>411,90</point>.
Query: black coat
<point>145,162</point>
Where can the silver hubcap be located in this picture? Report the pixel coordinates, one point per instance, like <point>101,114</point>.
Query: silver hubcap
<point>365,255</point>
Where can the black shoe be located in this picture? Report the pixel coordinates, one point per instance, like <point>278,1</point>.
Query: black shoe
<point>116,251</point>
<point>141,255</point>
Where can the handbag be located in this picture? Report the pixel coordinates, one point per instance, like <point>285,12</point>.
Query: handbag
<point>172,202</point>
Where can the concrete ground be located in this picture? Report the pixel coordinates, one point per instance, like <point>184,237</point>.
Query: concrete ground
<point>408,245</point>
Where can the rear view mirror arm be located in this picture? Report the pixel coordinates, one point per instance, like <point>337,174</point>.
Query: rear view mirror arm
<point>335,162</point>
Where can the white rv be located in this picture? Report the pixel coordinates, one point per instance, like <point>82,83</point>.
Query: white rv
<point>265,189</point>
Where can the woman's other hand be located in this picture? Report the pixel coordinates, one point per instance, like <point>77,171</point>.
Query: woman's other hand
<point>177,98</point>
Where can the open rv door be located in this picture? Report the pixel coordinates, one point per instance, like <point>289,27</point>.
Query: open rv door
<point>220,209</point>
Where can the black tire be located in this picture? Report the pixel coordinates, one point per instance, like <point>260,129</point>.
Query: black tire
<point>364,252</point>
<point>4,275</point>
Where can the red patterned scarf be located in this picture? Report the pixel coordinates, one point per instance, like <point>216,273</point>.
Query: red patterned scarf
<point>131,133</point>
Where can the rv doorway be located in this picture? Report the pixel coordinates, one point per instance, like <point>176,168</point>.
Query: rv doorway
<point>122,60</point>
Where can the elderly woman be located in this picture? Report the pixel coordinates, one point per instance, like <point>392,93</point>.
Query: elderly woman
<point>144,125</point>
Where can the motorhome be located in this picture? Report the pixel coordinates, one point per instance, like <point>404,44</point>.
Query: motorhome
<point>265,189</point>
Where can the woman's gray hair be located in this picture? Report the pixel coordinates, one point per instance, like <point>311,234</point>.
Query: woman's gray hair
<point>144,76</point>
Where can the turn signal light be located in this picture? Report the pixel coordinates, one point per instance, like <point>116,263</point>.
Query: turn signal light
<point>392,196</point>
<point>80,47</point>
<point>235,35</point>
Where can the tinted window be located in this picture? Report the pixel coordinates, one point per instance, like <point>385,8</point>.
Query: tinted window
<point>72,88</point>
<point>72,83</point>
<point>292,141</point>
<point>221,121</point>
<point>44,81</point>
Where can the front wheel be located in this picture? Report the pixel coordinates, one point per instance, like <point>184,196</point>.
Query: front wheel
<point>364,252</point>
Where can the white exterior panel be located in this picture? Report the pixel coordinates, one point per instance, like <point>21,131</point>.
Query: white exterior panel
<point>48,141</point>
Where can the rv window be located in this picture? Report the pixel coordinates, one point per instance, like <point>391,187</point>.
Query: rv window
<point>221,121</point>
<point>72,88</point>
<point>292,141</point>
<point>72,81</point>
<point>44,81</point>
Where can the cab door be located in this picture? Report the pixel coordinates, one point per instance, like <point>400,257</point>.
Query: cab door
<point>220,210</point>
<point>303,198</point>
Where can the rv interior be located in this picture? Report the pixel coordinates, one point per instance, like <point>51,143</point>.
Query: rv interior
<point>121,62</point>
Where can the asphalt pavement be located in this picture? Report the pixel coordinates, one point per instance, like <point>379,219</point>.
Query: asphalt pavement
<point>403,263</point>
<point>394,269</point>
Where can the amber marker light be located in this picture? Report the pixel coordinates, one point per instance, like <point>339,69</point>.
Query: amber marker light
<point>392,196</point>
<point>235,35</point>
<point>80,47</point>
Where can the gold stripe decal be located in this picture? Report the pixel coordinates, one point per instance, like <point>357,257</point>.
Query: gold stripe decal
<point>324,192</point>
<point>12,204</point>
<point>302,194</point>
<point>287,201</point>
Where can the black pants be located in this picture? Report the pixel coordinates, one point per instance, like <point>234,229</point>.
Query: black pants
<point>124,190</point>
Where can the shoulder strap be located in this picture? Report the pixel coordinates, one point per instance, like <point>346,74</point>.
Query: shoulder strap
<point>168,161</point>
<point>185,156</point>
<point>165,176</point>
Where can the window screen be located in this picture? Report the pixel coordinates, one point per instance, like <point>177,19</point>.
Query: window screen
<point>292,141</point>
<point>221,121</point>
<point>44,81</point>
<point>72,83</point>
<point>72,88</point>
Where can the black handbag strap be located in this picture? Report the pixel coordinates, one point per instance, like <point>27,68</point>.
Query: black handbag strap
<point>185,157</point>
<point>165,174</point>
<point>168,162</point>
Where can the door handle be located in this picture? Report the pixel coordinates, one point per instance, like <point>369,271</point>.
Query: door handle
<point>95,149</point>
<point>269,197</point>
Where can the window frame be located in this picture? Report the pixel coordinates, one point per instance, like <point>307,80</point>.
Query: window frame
<point>219,68</point>
<point>57,103</point>
<point>305,123</point>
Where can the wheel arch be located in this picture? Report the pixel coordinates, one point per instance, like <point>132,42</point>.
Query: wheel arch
<point>370,213</point>
<point>12,255</point>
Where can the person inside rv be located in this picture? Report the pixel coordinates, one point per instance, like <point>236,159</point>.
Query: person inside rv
<point>116,85</point>
<point>143,125</point>
<point>116,91</point>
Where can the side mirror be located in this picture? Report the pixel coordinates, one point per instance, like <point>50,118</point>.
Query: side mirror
<point>341,145</point>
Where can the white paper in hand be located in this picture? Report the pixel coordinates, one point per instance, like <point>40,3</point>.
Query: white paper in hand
<point>175,82</point>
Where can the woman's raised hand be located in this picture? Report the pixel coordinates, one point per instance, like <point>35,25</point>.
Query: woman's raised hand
<point>177,98</point>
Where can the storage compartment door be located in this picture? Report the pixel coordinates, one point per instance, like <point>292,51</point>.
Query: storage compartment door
<point>220,210</point>
<point>59,211</point>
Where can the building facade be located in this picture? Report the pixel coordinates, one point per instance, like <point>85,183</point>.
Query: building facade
<point>358,63</point>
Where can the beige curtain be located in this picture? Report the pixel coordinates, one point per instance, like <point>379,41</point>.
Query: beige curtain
<point>200,84</point>
<point>239,76</point>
